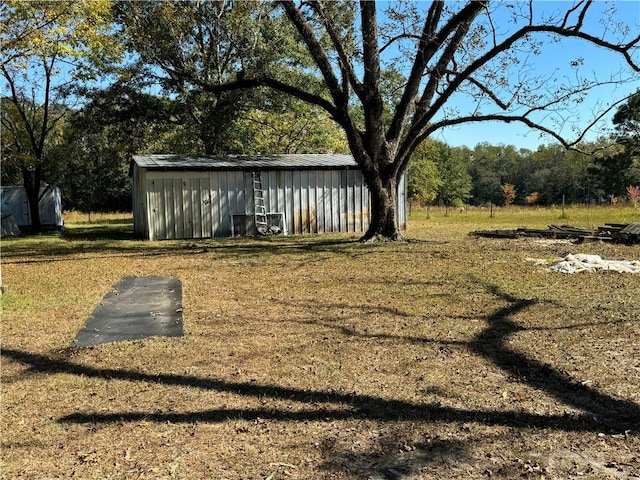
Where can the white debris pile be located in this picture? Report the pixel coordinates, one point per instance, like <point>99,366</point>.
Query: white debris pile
<point>593,263</point>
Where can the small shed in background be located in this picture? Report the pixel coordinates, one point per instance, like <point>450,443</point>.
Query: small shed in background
<point>177,196</point>
<point>50,205</point>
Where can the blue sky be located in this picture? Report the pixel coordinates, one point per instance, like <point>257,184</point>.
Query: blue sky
<point>554,62</point>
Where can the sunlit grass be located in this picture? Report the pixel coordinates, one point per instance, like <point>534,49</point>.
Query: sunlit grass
<point>534,217</point>
<point>315,357</point>
<point>75,217</point>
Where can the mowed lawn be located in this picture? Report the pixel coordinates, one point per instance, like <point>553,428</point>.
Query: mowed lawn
<point>313,357</point>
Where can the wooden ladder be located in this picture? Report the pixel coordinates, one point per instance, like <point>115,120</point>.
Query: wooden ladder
<point>260,210</point>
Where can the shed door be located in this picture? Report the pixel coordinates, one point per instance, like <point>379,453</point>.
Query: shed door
<point>178,207</point>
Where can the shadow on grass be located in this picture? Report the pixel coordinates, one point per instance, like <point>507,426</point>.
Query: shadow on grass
<point>621,415</point>
<point>491,344</point>
<point>107,221</point>
<point>88,238</point>
<point>600,412</point>
<point>106,241</point>
<point>392,456</point>
<point>102,232</point>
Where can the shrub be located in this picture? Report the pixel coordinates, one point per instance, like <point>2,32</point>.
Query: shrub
<point>532,198</point>
<point>509,194</point>
<point>634,195</point>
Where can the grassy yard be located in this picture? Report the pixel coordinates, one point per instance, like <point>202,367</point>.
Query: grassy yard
<point>318,357</point>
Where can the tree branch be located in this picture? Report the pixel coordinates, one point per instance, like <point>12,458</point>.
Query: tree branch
<point>452,47</point>
<point>565,21</point>
<point>48,69</point>
<point>249,83</point>
<point>317,52</point>
<point>417,128</point>
<point>429,45</point>
<point>494,117</point>
<point>345,62</point>
<point>487,91</point>
<point>372,103</point>
<point>394,39</point>
<point>15,99</point>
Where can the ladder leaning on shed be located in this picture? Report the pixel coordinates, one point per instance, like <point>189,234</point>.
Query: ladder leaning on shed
<point>260,210</point>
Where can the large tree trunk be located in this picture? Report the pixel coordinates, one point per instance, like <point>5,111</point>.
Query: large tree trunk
<point>31,182</point>
<point>384,211</point>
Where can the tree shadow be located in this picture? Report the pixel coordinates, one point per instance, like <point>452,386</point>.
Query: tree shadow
<point>598,411</point>
<point>111,231</point>
<point>118,240</point>
<point>491,344</point>
<point>393,456</point>
<point>618,417</point>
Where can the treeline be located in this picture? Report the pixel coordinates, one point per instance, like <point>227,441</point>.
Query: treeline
<point>90,162</point>
<point>505,175</point>
<point>235,78</point>
<point>601,172</point>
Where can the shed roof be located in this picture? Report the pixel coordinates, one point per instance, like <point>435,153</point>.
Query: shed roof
<point>245,162</point>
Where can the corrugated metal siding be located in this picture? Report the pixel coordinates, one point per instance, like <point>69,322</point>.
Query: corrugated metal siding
<point>178,207</point>
<point>632,228</point>
<point>199,204</point>
<point>50,205</point>
<point>319,201</point>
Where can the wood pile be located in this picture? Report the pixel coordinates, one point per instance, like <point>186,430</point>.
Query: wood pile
<point>628,233</point>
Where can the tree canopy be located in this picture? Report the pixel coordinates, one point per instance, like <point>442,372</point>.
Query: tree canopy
<point>438,51</point>
<point>47,48</point>
<point>215,77</point>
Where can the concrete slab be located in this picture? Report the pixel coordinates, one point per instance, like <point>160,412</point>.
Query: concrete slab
<point>139,307</point>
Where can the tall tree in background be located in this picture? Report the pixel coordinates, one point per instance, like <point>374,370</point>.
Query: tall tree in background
<point>455,187</point>
<point>294,127</point>
<point>627,124</point>
<point>46,46</point>
<point>423,177</point>
<point>443,52</point>
<point>627,119</point>
<point>217,43</point>
<point>487,172</point>
<point>97,143</point>
<point>619,167</point>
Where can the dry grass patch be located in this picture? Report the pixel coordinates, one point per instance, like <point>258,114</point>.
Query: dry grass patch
<point>320,357</point>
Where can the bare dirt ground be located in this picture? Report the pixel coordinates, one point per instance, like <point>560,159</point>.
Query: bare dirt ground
<point>444,357</point>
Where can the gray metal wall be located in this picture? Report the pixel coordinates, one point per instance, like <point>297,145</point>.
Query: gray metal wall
<point>174,204</point>
<point>50,205</point>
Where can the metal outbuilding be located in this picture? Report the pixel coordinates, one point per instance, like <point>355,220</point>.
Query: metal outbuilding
<point>50,205</point>
<point>177,196</point>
